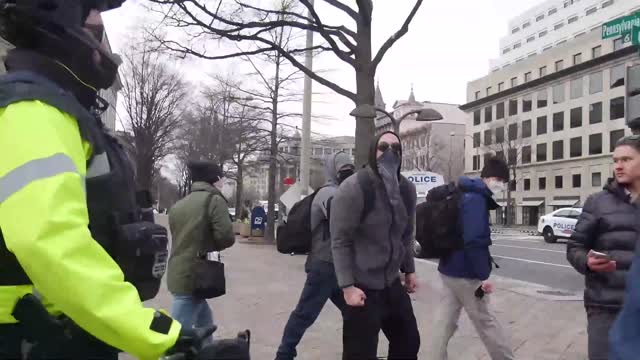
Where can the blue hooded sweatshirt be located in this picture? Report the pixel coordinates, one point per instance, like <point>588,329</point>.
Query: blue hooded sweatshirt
<point>474,261</point>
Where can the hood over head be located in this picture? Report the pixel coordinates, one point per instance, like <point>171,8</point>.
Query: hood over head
<point>333,164</point>
<point>373,150</point>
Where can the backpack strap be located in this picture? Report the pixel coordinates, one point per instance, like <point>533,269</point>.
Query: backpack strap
<point>368,192</point>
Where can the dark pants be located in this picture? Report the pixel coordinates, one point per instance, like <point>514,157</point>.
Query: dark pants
<point>84,347</point>
<point>599,322</point>
<point>389,310</point>
<point>321,285</point>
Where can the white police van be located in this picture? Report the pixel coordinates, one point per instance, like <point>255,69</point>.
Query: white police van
<point>558,224</point>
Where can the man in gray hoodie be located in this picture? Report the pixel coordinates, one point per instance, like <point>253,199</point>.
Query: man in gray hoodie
<point>321,284</point>
<point>372,221</point>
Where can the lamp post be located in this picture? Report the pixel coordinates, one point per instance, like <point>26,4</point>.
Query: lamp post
<point>370,111</point>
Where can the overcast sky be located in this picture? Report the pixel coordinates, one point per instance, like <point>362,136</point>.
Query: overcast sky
<point>449,44</point>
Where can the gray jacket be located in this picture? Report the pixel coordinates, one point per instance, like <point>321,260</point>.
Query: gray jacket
<point>370,254</point>
<point>321,240</point>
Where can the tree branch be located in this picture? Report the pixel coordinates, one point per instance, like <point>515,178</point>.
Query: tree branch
<point>395,37</point>
<point>338,5</point>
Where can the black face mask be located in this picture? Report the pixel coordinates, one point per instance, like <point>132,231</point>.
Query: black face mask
<point>344,174</point>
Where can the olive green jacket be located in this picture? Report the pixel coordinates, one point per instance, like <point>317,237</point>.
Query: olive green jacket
<point>193,232</point>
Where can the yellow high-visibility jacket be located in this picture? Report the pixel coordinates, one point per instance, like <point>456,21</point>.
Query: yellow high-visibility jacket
<point>44,221</point>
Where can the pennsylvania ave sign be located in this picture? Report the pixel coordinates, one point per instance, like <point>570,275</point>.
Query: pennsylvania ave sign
<point>621,26</point>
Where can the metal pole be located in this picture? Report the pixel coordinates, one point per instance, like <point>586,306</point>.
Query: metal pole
<point>305,156</point>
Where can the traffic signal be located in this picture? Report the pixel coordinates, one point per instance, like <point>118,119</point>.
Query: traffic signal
<point>633,98</point>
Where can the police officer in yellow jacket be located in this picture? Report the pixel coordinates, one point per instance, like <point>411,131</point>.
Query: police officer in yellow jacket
<point>72,235</point>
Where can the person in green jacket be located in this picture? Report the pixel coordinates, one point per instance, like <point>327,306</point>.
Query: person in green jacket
<point>199,224</point>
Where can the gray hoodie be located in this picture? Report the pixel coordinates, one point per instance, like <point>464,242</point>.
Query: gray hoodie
<point>371,253</point>
<point>321,241</point>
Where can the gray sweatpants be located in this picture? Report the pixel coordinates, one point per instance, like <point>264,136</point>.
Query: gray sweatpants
<point>458,293</point>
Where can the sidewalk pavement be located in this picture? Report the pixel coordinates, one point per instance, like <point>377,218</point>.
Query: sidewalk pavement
<point>263,287</point>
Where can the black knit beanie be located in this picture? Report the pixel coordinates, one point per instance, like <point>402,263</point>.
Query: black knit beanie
<point>206,171</point>
<point>495,167</point>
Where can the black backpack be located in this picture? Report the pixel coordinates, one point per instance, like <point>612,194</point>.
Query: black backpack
<point>294,237</point>
<point>437,222</point>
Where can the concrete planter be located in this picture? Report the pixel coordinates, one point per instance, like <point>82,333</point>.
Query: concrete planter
<point>245,230</point>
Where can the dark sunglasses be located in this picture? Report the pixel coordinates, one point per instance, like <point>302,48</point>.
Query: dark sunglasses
<point>383,146</point>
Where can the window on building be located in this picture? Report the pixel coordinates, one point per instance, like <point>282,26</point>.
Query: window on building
<point>489,89</point>
<point>526,129</point>
<point>575,88</point>
<point>614,137</point>
<point>607,3</point>
<point>559,65</point>
<point>592,11</point>
<point>526,154</point>
<point>515,30</point>
<point>488,114</point>
<point>476,140</point>
<point>576,180</point>
<point>595,113</point>
<point>527,103</point>
<point>513,132</point>
<point>500,86</point>
<point>559,182</point>
<point>476,162</point>
<point>542,183</point>
<point>595,82</point>
<point>543,34</point>
<point>526,25</point>
<point>531,39</point>
<point>506,51</point>
<point>539,17</point>
<point>575,117</point>
<point>542,98</point>
<point>500,111</point>
<point>558,94</point>
<point>596,179</point>
<point>577,59</point>
<point>514,81</point>
<point>487,137</point>
<point>477,95</point>
<point>575,146</point>
<point>558,26</point>
<point>596,52</point>
<point>500,135</point>
<point>572,19</point>
<point>543,71</point>
<point>541,152</point>
<point>595,144</point>
<point>527,184</point>
<point>549,47</point>
<point>558,149</point>
<point>513,156</point>
<point>617,108</point>
<point>618,44</point>
<point>512,185</point>
<point>541,125</point>
<point>517,45</point>
<point>552,11</point>
<point>513,107</point>
<point>617,76</point>
<point>558,121</point>
<point>476,117</point>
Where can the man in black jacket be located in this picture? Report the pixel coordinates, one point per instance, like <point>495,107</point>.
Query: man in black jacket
<point>602,247</point>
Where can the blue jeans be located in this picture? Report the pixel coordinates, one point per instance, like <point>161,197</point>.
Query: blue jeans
<point>320,286</point>
<point>192,312</point>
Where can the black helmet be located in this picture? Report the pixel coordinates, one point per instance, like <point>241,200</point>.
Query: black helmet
<point>55,28</point>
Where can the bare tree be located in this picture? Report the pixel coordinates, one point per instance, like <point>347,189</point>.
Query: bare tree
<point>508,146</point>
<point>243,22</point>
<point>153,97</point>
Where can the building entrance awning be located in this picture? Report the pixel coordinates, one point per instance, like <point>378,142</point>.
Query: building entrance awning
<point>534,203</point>
<point>567,203</point>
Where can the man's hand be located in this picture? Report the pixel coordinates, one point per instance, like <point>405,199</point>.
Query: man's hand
<point>411,282</point>
<point>601,265</point>
<point>487,287</point>
<point>354,296</point>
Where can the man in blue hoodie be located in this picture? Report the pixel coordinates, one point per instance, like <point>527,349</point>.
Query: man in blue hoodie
<point>465,272</point>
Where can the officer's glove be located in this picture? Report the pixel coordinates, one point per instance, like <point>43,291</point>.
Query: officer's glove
<point>189,343</point>
<point>228,349</point>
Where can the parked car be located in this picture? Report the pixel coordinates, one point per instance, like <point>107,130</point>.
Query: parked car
<point>558,224</point>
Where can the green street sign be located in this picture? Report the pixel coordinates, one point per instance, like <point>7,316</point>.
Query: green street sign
<point>621,26</point>
<point>635,38</point>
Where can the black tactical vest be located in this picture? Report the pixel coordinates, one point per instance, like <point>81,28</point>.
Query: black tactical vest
<point>116,220</point>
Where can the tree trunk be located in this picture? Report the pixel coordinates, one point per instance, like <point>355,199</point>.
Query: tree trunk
<point>239,190</point>
<point>365,92</point>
